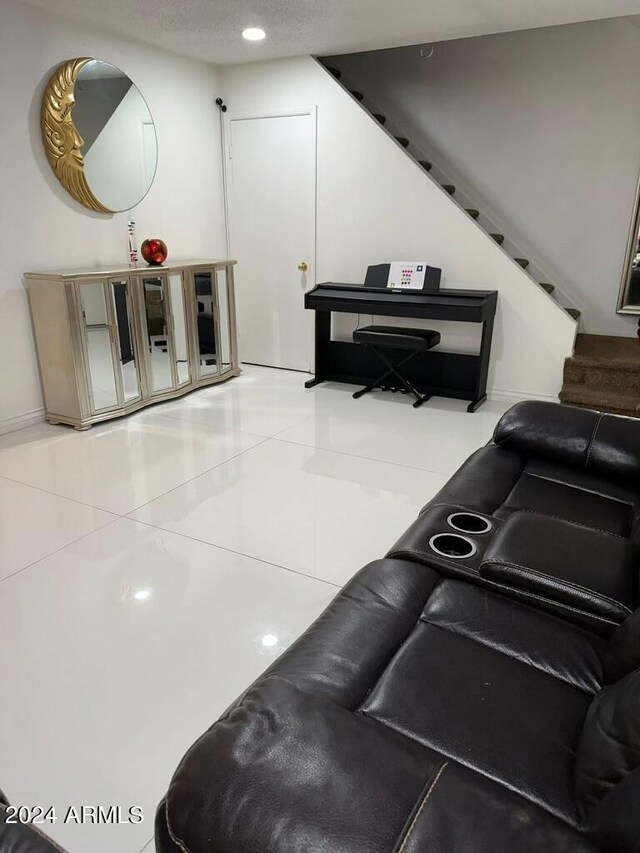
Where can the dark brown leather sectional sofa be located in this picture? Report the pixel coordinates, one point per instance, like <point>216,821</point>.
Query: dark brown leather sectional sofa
<point>478,694</point>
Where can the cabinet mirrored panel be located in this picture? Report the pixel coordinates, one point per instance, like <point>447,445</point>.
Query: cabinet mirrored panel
<point>111,342</point>
<point>97,342</point>
<point>179,324</point>
<point>126,357</point>
<point>205,323</point>
<point>160,374</point>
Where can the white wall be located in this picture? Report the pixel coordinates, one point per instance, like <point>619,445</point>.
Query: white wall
<point>375,205</point>
<point>543,128</point>
<point>41,226</point>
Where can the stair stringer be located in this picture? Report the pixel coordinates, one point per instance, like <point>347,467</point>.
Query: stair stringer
<point>409,216</point>
<point>444,172</point>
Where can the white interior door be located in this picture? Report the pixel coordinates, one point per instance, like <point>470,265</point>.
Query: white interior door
<point>271,190</point>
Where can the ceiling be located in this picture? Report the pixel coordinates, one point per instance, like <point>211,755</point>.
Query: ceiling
<point>210,29</point>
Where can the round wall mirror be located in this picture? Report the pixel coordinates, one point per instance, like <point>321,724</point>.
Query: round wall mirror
<point>99,135</point>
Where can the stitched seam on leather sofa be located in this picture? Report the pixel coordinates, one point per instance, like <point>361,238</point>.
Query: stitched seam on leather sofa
<point>422,805</point>
<point>559,581</point>
<point>579,488</point>
<point>510,654</point>
<point>175,840</point>
<point>479,770</point>
<point>528,594</point>
<point>595,430</point>
<point>574,523</point>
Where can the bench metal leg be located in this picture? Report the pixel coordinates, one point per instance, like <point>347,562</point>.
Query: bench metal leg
<point>393,370</point>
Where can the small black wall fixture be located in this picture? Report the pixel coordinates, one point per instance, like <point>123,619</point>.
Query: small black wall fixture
<point>221,104</point>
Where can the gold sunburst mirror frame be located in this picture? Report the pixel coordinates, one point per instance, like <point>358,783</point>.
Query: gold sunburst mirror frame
<point>62,142</point>
<point>113,167</point>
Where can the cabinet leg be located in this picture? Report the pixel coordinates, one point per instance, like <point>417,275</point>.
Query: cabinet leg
<point>83,427</point>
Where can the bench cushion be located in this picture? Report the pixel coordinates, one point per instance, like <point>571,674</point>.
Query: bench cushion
<point>397,337</point>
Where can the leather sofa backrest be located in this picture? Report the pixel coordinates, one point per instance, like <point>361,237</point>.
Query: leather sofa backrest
<point>600,443</point>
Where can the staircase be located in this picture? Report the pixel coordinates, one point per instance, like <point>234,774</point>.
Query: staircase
<point>474,213</point>
<point>604,373</point>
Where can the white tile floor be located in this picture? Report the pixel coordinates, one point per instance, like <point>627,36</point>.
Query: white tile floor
<point>152,567</point>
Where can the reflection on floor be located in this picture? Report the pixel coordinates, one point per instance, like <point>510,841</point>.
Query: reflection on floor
<point>151,567</point>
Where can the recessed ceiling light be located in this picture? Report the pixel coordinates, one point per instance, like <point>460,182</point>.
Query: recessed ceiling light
<point>269,640</point>
<point>142,594</point>
<point>253,34</point>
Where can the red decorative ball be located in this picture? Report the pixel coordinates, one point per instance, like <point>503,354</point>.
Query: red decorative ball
<point>154,251</point>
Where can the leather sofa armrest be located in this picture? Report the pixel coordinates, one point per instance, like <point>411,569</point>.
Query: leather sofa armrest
<point>603,444</point>
<point>565,563</point>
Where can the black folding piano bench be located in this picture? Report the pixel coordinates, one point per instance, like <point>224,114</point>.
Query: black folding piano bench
<point>381,338</point>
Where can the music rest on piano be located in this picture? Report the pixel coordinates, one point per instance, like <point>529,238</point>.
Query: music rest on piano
<point>437,372</point>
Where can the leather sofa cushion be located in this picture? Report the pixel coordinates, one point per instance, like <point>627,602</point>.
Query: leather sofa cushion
<point>564,562</point>
<point>604,444</point>
<point>572,494</point>
<point>549,644</point>
<point>475,705</point>
<point>610,744</point>
<point>462,812</point>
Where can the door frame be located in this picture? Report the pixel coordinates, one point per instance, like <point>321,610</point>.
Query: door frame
<point>284,112</point>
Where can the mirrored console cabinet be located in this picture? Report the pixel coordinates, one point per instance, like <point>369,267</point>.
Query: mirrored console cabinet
<point>111,341</point>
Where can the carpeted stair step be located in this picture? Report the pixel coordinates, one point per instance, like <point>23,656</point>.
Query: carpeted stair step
<point>574,312</point>
<point>357,95</point>
<point>403,141</point>
<point>548,287</point>
<point>449,188</point>
<point>426,165</point>
<point>499,238</point>
<point>617,402</point>
<point>380,118</point>
<point>524,263</point>
<point>335,71</point>
<point>604,361</point>
<point>474,214</point>
<point>577,372</point>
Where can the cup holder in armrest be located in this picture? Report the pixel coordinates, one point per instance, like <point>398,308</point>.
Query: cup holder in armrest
<point>453,546</point>
<point>469,522</point>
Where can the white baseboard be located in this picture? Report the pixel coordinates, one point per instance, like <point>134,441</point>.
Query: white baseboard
<point>503,396</point>
<point>22,421</point>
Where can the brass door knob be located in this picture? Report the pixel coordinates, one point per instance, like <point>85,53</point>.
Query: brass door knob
<point>303,266</point>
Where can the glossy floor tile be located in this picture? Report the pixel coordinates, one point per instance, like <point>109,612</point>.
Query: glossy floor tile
<point>314,511</point>
<point>121,465</point>
<point>34,524</point>
<point>260,401</point>
<point>437,437</point>
<point>119,651</point>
